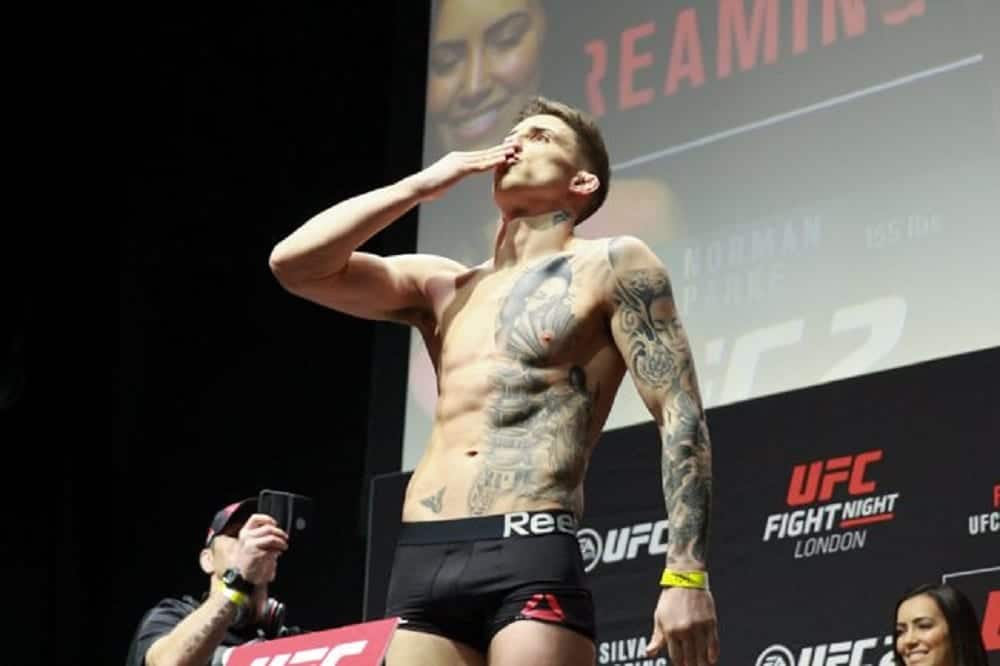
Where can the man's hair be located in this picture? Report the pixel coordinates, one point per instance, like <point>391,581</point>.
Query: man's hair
<point>963,625</point>
<point>589,140</point>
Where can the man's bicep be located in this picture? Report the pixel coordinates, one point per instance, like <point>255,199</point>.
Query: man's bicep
<point>647,329</point>
<point>378,288</point>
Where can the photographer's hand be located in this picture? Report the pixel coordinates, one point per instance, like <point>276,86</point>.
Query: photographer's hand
<point>259,545</point>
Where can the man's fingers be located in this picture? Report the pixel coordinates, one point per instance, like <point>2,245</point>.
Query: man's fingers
<point>492,153</point>
<point>689,645</point>
<point>655,641</point>
<point>512,145</point>
<point>258,519</point>
<point>265,530</point>
<point>699,636</point>
<point>675,651</point>
<point>713,644</point>
<point>491,163</point>
<point>493,159</point>
<point>268,543</point>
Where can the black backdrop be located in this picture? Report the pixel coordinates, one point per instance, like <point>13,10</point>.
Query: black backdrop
<point>239,122</point>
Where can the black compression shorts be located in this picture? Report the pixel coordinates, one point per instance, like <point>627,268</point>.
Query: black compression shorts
<point>469,578</point>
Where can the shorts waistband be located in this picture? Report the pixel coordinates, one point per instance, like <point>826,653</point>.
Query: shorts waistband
<point>499,526</point>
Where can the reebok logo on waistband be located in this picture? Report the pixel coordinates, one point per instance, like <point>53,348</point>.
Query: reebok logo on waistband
<point>523,523</point>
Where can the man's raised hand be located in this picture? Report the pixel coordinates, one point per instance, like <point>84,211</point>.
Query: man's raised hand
<point>435,180</point>
<point>260,543</point>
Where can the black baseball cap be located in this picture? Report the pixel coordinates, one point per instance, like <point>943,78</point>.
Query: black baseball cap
<point>237,512</point>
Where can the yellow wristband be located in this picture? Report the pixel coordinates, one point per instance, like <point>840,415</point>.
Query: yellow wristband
<point>236,596</point>
<point>696,580</point>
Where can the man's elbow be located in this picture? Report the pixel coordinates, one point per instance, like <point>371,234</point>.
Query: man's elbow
<point>284,267</point>
<point>294,271</point>
<point>278,264</point>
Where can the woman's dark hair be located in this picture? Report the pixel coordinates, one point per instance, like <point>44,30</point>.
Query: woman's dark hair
<point>963,625</point>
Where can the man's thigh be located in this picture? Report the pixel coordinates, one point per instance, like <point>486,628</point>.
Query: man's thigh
<point>531,643</point>
<point>418,648</point>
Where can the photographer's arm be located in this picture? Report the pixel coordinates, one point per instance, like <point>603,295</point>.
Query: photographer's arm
<point>193,641</point>
<point>254,553</point>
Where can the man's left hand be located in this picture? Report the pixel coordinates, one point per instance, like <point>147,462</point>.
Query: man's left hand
<point>685,623</point>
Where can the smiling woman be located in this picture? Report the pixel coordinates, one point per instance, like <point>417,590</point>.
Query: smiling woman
<point>485,64</point>
<point>936,625</point>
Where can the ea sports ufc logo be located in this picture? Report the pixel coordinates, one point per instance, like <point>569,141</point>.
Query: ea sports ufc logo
<point>817,481</point>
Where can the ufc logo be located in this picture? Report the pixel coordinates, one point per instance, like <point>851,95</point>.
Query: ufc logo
<point>321,656</point>
<point>624,543</point>
<point>817,481</point>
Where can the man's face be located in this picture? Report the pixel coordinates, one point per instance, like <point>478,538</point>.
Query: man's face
<point>223,548</point>
<point>548,159</point>
<point>484,67</point>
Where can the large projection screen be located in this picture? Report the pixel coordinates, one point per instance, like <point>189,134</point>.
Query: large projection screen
<point>820,177</point>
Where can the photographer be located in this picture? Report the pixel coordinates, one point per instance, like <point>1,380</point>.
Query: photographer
<point>240,556</point>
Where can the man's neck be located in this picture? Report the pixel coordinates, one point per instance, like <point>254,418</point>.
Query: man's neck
<point>522,238</point>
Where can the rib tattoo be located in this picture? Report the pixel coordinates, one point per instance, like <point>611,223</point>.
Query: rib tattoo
<point>538,423</point>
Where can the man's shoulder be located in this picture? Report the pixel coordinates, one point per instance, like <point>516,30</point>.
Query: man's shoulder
<point>157,621</point>
<point>629,253</point>
<point>172,608</point>
<point>618,251</point>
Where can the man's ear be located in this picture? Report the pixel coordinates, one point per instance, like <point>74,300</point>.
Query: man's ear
<point>207,560</point>
<point>584,182</point>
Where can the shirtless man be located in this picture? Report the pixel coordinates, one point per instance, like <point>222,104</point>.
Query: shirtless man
<point>529,347</point>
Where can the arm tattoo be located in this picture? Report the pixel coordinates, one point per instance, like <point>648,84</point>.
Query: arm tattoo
<point>216,625</point>
<point>636,296</point>
<point>687,484</point>
<point>537,424</point>
<point>434,501</point>
<point>657,353</point>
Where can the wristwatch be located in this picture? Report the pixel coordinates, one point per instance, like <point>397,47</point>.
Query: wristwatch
<point>232,579</point>
<point>238,590</point>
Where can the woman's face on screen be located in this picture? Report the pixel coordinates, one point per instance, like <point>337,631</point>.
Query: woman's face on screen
<point>484,67</point>
<point>922,636</point>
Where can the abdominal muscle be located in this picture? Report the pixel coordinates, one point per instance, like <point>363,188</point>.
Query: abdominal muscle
<point>527,372</point>
<point>505,438</point>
